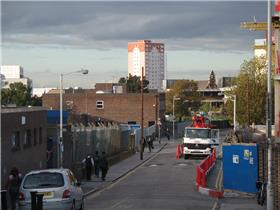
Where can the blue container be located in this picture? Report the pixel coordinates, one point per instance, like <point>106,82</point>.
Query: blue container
<point>240,166</point>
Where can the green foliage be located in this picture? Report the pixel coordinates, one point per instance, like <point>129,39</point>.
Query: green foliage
<point>250,91</point>
<point>205,107</point>
<point>186,90</point>
<point>133,84</point>
<point>20,95</point>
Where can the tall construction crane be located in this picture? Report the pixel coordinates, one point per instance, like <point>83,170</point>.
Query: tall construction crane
<point>262,26</point>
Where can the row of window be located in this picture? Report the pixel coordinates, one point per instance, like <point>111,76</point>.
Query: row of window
<point>27,138</point>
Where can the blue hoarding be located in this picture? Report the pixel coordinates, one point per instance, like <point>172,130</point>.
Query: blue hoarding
<point>53,116</point>
<point>240,167</point>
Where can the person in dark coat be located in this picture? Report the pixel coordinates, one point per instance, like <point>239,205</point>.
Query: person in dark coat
<point>150,143</point>
<point>13,185</point>
<point>168,133</point>
<point>103,164</point>
<point>88,161</point>
<point>96,159</point>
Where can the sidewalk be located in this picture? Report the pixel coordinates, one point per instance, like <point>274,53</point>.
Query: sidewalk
<point>232,200</point>
<point>120,169</point>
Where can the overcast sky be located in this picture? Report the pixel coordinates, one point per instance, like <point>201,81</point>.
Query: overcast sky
<point>49,38</point>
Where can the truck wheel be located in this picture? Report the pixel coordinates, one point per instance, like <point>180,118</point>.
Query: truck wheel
<point>186,156</point>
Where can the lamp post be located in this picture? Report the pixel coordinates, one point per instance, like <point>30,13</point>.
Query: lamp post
<point>142,116</point>
<point>61,148</point>
<point>234,113</point>
<point>234,110</point>
<point>174,99</point>
<point>269,191</point>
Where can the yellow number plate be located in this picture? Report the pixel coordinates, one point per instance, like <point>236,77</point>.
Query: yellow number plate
<point>47,194</point>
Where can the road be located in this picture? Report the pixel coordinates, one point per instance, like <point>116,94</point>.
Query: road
<point>161,183</point>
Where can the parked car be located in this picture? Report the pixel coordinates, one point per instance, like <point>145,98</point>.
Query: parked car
<point>59,186</point>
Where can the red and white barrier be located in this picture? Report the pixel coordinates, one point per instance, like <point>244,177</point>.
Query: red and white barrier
<point>202,171</point>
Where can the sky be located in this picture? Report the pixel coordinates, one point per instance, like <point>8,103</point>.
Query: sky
<point>50,38</point>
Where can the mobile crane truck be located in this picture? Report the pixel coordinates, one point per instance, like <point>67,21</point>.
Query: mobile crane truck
<point>200,138</point>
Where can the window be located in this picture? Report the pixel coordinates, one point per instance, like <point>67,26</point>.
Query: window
<point>27,138</point>
<point>15,141</point>
<point>43,180</point>
<point>99,104</point>
<point>40,136</point>
<point>35,136</point>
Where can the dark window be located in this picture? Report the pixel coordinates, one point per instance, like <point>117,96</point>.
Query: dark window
<point>35,136</point>
<point>40,136</point>
<point>43,180</point>
<point>27,138</point>
<point>15,141</point>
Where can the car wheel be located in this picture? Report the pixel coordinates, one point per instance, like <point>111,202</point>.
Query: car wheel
<point>82,205</point>
<point>186,156</point>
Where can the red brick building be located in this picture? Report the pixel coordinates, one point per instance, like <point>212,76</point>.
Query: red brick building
<point>123,108</point>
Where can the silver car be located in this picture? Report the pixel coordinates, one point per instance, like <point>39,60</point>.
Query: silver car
<point>59,186</point>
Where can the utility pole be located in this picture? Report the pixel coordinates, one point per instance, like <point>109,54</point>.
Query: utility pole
<point>270,203</point>
<point>142,117</point>
<point>173,124</point>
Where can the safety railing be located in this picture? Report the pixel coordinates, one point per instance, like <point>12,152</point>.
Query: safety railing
<point>203,169</point>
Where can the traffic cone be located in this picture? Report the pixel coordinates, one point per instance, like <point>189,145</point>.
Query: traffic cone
<point>178,152</point>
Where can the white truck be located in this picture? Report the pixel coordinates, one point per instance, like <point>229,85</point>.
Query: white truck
<point>200,140</point>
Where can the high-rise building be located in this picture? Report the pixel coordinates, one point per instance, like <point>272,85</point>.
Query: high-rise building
<point>145,53</point>
<point>12,74</point>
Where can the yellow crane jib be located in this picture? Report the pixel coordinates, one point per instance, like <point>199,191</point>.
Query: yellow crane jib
<point>261,26</point>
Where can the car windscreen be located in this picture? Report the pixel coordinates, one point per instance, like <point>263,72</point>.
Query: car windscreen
<point>197,133</point>
<point>43,180</point>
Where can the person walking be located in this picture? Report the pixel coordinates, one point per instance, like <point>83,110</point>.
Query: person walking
<point>150,143</point>
<point>96,159</point>
<point>103,164</point>
<point>13,185</point>
<point>168,133</point>
<point>88,161</point>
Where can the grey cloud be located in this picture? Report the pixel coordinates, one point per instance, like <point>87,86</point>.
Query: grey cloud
<point>197,25</point>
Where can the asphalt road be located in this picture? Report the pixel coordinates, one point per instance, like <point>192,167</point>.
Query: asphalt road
<point>161,183</point>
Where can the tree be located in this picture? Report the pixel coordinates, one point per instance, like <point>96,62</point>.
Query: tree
<point>19,95</point>
<point>250,91</point>
<point>133,84</point>
<point>186,90</point>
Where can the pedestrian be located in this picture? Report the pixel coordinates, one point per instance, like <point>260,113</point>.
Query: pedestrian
<point>168,133</point>
<point>96,159</point>
<point>13,185</point>
<point>103,164</point>
<point>150,143</point>
<point>89,163</point>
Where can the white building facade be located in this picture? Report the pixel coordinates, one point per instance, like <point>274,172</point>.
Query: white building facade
<point>149,55</point>
<point>13,74</point>
<point>260,48</point>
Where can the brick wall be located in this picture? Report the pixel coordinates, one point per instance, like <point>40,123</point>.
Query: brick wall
<point>117,107</point>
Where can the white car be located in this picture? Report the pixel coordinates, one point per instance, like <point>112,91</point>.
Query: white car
<point>59,186</point>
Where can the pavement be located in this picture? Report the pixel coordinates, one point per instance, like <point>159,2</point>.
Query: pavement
<point>121,168</point>
<point>232,200</point>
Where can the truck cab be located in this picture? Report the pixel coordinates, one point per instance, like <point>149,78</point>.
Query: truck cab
<point>197,141</point>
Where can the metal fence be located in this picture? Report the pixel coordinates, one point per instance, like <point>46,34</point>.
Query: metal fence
<point>87,140</point>
<point>149,131</point>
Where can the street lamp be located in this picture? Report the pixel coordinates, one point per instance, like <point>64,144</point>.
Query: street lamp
<point>234,111</point>
<point>174,99</point>
<point>61,149</point>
